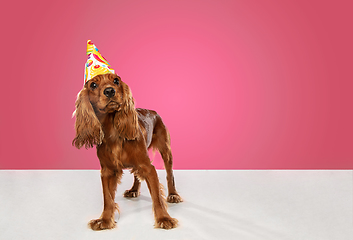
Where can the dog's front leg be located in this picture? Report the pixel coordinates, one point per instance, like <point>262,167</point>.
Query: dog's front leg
<point>162,218</point>
<point>110,180</point>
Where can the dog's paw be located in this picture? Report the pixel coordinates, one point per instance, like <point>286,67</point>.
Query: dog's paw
<point>101,224</point>
<point>174,198</point>
<point>131,194</point>
<point>166,223</point>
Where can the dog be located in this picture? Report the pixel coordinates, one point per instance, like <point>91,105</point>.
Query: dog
<point>106,117</point>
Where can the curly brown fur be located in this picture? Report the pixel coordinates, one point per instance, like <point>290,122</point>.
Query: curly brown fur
<point>106,117</point>
<point>88,128</point>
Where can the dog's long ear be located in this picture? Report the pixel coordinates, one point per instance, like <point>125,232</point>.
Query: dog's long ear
<point>126,120</point>
<point>88,128</point>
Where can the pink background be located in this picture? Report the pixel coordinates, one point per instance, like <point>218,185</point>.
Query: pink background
<point>240,84</point>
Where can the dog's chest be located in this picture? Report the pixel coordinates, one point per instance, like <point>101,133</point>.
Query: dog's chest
<point>109,154</point>
<point>116,155</point>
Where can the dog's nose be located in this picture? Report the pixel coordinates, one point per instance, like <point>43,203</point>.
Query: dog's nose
<point>109,92</point>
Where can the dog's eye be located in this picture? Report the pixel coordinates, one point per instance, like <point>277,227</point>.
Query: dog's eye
<point>116,81</point>
<point>93,86</point>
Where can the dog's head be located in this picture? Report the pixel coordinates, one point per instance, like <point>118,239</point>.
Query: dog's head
<point>107,93</point>
<point>101,96</point>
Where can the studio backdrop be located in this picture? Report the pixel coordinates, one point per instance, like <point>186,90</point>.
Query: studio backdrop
<point>243,84</point>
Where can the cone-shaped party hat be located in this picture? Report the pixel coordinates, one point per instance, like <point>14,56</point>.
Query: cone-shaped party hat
<point>96,63</point>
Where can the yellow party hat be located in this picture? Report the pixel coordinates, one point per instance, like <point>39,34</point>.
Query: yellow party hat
<point>96,63</point>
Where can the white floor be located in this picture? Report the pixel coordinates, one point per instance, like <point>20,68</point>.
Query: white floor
<point>273,205</point>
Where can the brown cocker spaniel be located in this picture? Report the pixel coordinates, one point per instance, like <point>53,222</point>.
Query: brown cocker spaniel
<point>106,117</point>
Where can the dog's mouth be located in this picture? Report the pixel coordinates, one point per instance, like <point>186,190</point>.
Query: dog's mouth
<point>111,106</point>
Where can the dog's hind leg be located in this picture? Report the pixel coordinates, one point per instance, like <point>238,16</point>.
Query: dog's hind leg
<point>135,189</point>
<point>161,141</point>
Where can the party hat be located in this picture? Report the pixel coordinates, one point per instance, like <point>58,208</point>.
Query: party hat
<point>96,63</point>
